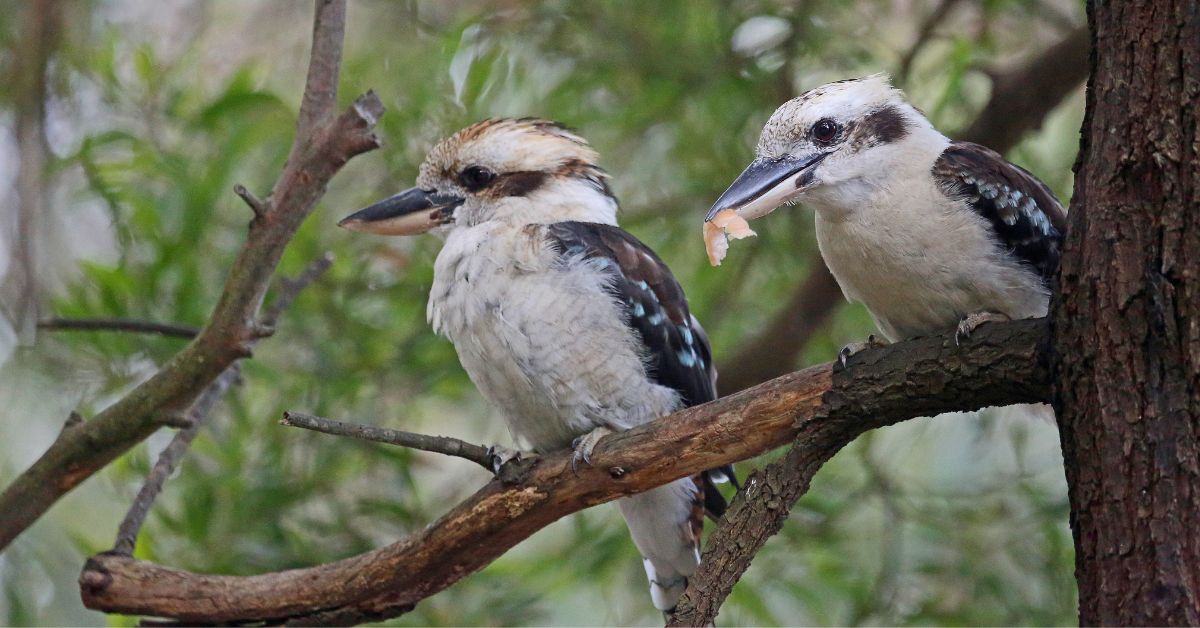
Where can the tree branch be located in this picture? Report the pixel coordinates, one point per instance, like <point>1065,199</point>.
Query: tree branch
<point>1021,99</point>
<point>763,504</point>
<point>322,146</point>
<point>436,444</point>
<point>820,409</point>
<point>290,288</point>
<point>119,324</point>
<point>191,422</point>
<point>127,533</point>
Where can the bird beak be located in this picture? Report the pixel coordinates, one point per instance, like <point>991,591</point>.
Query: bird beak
<point>766,184</point>
<point>410,212</point>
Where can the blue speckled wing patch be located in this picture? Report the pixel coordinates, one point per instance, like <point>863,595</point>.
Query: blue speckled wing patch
<point>677,350</point>
<point>657,310</point>
<point>1026,217</point>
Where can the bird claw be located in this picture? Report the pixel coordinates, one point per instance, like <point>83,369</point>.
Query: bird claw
<point>971,322</point>
<point>500,455</point>
<point>584,445</point>
<point>853,348</point>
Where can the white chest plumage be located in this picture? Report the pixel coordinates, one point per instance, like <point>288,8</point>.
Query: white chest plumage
<point>545,344</point>
<point>921,264</point>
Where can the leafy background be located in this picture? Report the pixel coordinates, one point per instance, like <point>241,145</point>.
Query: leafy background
<point>156,109</point>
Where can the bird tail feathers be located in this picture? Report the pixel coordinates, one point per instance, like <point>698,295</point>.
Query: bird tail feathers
<point>665,524</point>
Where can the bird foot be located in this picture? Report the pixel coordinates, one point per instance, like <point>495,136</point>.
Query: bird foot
<point>499,455</point>
<point>972,321</point>
<point>873,342</point>
<point>584,445</point>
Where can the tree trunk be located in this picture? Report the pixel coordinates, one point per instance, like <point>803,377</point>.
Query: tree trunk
<point>1128,321</point>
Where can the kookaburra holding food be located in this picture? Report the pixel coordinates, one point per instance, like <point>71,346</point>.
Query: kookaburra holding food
<point>568,325</point>
<point>926,232</point>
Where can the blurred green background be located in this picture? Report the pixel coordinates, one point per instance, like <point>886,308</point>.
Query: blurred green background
<point>154,110</point>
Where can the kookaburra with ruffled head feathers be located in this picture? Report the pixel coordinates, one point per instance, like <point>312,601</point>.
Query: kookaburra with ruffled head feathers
<point>926,232</point>
<point>568,325</point>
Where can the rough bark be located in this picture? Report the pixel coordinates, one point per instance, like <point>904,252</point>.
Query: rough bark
<point>819,409</point>
<point>1128,321</point>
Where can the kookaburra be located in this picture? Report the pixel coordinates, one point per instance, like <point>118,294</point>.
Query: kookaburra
<point>568,325</point>
<point>926,232</point>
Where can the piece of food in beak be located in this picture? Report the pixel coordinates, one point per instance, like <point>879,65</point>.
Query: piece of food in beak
<point>724,225</point>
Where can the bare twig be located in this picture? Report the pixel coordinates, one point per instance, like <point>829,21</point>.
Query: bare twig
<point>256,204</point>
<point>437,444</point>
<point>820,409</point>
<point>119,324</point>
<point>191,421</point>
<point>290,288</point>
<point>324,65</point>
<point>127,533</point>
<point>324,144</point>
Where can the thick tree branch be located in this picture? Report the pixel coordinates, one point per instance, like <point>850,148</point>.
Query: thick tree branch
<point>1021,99</point>
<point>324,143</point>
<point>760,509</point>
<point>118,324</point>
<point>436,444</point>
<point>819,408</point>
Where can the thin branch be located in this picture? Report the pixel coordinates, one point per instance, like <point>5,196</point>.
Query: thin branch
<point>119,324</point>
<point>819,409</point>
<point>322,146</point>
<point>127,533</point>
<point>290,288</point>
<point>256,204</point>
<point>193,420</point>
<point>436,444</point>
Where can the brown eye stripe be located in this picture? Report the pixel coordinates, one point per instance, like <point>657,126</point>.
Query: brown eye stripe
<point>517,183</point>
<point>885,125</point>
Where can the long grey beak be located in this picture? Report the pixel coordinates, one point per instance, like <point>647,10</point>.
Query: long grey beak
<point>766,184</point>
<point>410,212</point>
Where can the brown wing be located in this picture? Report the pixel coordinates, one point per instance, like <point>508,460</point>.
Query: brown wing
<point>677,349</point>
<point>1026,217</point>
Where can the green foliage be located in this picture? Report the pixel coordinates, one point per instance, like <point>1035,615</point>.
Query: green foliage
<point>920,524</point>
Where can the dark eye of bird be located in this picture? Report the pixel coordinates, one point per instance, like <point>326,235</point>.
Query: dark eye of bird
<point>476,177</point>
<point>824,130</point>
